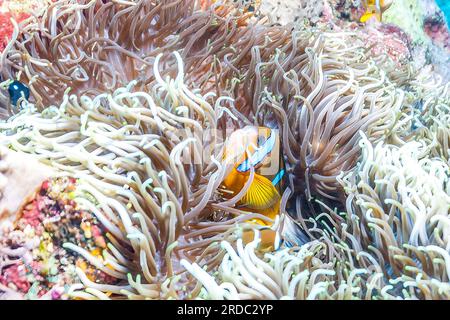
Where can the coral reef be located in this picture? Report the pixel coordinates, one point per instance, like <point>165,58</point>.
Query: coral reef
<point>18,10</point>
<point>39,266</point>
<point>291,11</point>
<point>20,177</point>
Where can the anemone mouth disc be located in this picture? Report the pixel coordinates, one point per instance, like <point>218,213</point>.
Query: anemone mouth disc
<point>125,129</point>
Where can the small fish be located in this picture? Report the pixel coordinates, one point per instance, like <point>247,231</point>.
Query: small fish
<point>257,147</point>
<point>269,239</point>
<point>18,90</point>
<point>375,8</point>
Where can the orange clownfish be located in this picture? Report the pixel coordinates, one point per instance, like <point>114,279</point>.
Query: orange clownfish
<point>269,239</point>
<point>375,8</point>
<point>257,147</point>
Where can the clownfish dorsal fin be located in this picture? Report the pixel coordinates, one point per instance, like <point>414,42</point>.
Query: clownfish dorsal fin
<point>262,194</point>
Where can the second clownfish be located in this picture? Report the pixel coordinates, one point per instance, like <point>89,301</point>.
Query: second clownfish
<point>375,8</point>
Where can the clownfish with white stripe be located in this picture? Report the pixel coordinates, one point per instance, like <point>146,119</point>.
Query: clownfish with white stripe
<point>257,147</point>
<point>375,8</point>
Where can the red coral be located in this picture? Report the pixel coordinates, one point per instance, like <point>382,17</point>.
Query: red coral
<point>6,27</point>
<point>15,276</point>
<point>33,216</point>
<point>45,186</point>
<point>436,28</point>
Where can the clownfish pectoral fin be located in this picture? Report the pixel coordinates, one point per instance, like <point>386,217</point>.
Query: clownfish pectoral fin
<point>261,195</point>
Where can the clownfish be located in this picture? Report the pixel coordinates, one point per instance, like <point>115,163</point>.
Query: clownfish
<point>375,8</point>
<point>269,239</point>
<point>258,148</point>
<point>17,91</point>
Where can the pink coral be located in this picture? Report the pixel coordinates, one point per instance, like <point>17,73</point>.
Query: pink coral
<point>436,28</point>
<point>387,39</point>
<point>15,275</point>
<point>32,215</point>
<point>51,218</point>
<point>18,10</point>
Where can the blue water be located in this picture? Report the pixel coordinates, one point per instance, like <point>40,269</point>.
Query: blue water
<point>444,5</point>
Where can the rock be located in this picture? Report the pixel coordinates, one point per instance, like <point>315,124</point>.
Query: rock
<point>21,176</point>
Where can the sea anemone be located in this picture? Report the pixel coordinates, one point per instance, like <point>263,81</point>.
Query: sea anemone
<point>319,90</point>
<point>397,207</point>
<point>93,47</point>
<point>148,165</point>
<point>430,120</point>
